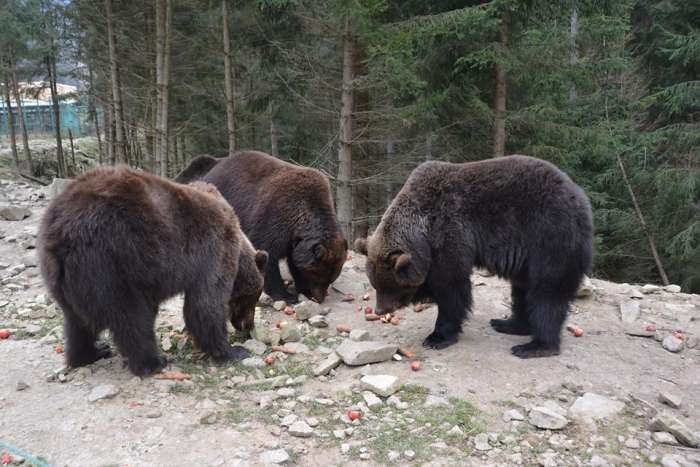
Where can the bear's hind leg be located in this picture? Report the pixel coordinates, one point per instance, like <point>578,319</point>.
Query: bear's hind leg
<point>548,307</point>
<point>454,301</point>
<point>133,333</point>
<point>519,323</point>
<point>81,346</point>
<point>206,313</point>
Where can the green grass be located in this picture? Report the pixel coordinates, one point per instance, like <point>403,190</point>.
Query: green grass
<point>400,438</point>
<point>293,367</point>
<point>46,327</point>
<point>180,389</point>
<point>238,414</point>
<point>314,342</point>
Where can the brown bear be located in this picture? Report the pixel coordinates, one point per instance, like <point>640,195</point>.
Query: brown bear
<point>117,242</point>
<point>287,211</point>
<point>197,168</point>
<point>518,217</point>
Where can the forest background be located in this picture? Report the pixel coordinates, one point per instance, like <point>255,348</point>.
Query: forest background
<point>365,90</point>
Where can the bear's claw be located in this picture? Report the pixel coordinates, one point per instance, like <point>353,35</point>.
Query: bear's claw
<point>534,349</point>
<point>437,342</point>
<point>510,326</point>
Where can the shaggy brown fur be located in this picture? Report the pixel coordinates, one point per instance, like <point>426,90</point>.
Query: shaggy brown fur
<point>287,211</point>
<point>118,242</point>
<point>198,168</point>
<point>518,217</point>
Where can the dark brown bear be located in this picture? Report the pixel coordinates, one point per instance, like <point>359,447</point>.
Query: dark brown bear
<point>198,167</point>
<point>287,211</point>
<point>518,217</point>
<point>118,242</point>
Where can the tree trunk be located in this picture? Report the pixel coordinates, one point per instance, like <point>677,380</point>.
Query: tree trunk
<point>120,137</point>
<point>92,110</point>
<point>109,132</point>
<point>165,128</point>
<point>51,68</point>
<point>160,46</point>
<point>20,111</point>
<point>228,84</point>
<point>183,158</point>
<point>72,151</point>
<point>647,234</point>
<point>163,21</point>
<point>11,124</point>
<point>573,94</point>
<point>499,134</point>
<point>151,112</point>
<point>429,147</point>
<point>274,150</point>
<point>176,158</point>
<point>344,189</point>
<point>389,185</point>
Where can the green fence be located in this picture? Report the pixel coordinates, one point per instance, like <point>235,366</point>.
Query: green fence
<point>39,118</point>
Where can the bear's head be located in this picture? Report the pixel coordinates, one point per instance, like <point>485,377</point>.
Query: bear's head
<point>395,272</point>
<point>247,287</point>
<point>319,263</point>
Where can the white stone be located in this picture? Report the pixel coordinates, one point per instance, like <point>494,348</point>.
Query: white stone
<point>595,406</point>
<point>382,385</point>
<point>672,344</point>
<point>104,391</point>
<point>542,417</point>
<point>513,415</point>
<point>629,311</point>
<point>481,442</point>
<point>372,401</point>
<point>278,456</point>
<point>301,429</point>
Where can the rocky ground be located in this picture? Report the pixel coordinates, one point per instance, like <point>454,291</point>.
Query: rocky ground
<point>617,395</point>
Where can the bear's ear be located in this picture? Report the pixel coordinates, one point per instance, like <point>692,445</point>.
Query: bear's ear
<point>320,253</point>
<point>361,246</point>
<point>261,259</point>
<point>403,262</point>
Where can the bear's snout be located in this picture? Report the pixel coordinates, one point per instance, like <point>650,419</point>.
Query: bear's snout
<point>384,305</point>
<point>320,293</point>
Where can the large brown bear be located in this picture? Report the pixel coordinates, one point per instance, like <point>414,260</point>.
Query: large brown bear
<point>516,216</point>
<point>118,242</point>
<point>287,211</point>
<point>197,168</point>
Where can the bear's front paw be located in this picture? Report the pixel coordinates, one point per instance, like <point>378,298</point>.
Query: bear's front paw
<point>438,341</point>
<point>534,349</point>
<point>102,350</point>
<point>290,299</point>
<point>283,295</point>
<point>146,367</point>
<point>510,326</point>
<point>235,353</point>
